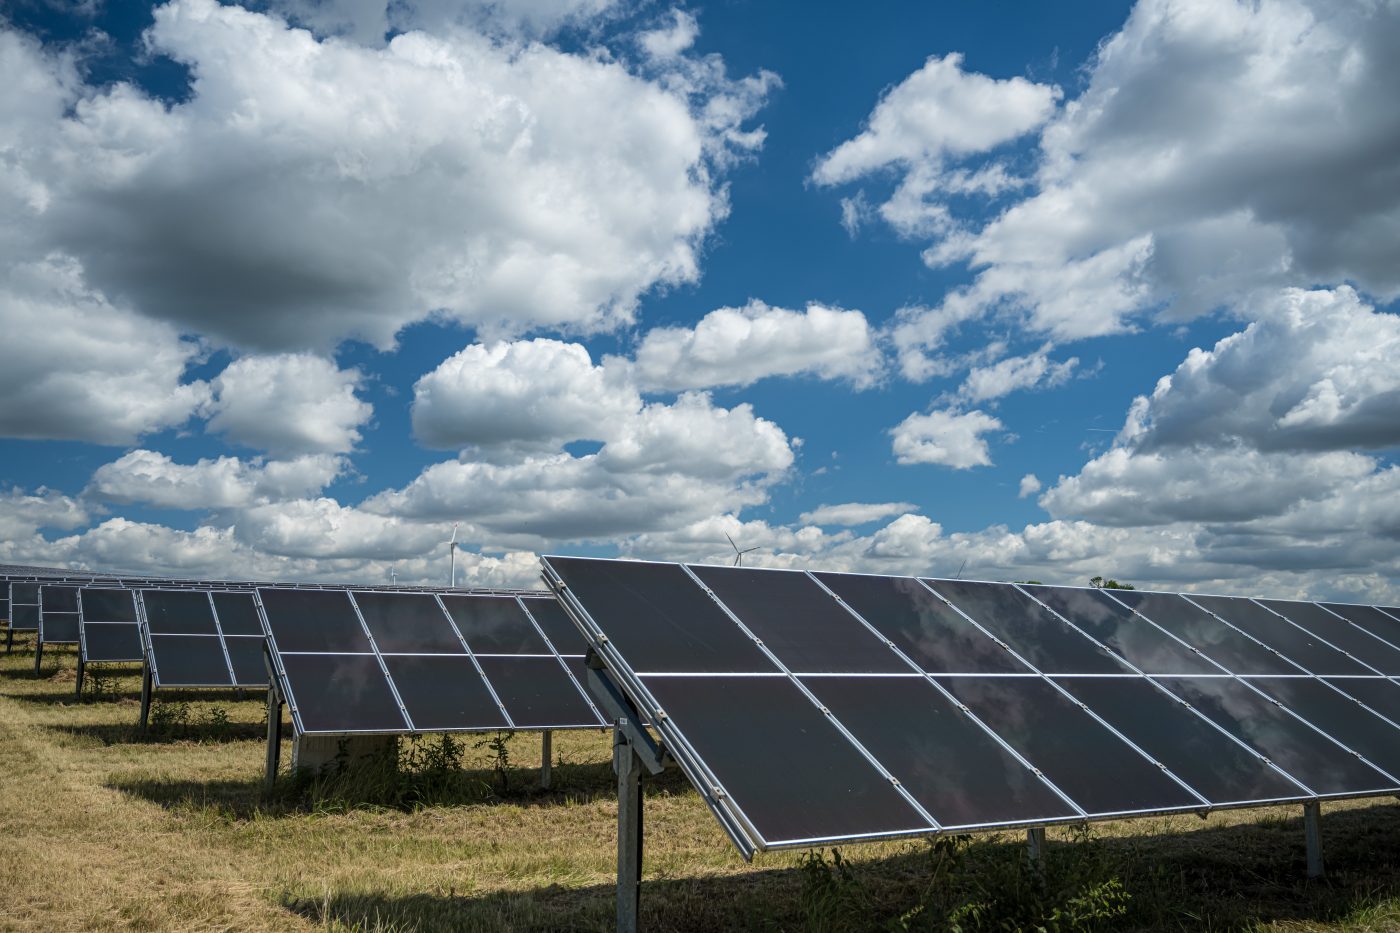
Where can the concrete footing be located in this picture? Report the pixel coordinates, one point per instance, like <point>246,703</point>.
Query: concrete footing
<point>314,751</point>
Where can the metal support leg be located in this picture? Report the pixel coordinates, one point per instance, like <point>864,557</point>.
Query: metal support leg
<point>38,654</point>
<point>1312,829</point>
<point>9,640</point>
<point>629,832</point>
<point>145,697</point>
<point>82,668</point>
<point>274,738</point>
<point>546,759</point>
<point>1035,845</point>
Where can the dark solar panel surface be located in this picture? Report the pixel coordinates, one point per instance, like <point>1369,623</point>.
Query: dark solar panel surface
<point>1346,627</point>
<point>204,639</point>
<point>58,615</point>
<point>109,629</point>
<point>1135,639</point>
<point>1049,644</point>
<point>384,662</point>
<point>1273,630</point>
<point>925,628</point>
<point>1003,705</point>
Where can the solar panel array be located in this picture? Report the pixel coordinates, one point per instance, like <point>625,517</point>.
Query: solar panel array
<point>377,662</point>
<point>814,708</point>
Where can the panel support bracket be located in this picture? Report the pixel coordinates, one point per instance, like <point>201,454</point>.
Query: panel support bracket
<point>274,737</point>
<point>546,759</point>
<point>628,765</point>
<point>82,670</point>
<point>1312,829</point>
<point>619,709</point>
<point>145,695</point>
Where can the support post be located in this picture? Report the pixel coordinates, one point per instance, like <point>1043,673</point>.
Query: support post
<point>546,759</point>
<point>1312,829</point>
<point>38,654</point>
<point>1035,845</point>
<point>82,669</point>
<point>9,640</point>
<point>629,829</point>
<point>274,738</point>
<point>145,696</point>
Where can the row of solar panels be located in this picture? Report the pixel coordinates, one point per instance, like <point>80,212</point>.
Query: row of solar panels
<point>815,708</point>
<point>347,662</point>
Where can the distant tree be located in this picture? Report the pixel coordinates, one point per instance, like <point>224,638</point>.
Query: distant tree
<point>1099,583</point>
<point>1031,582</point>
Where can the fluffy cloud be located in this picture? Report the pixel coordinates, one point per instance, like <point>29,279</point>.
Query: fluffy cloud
<point>937,111</point>
<point>855,513</point>
<point>1315,371</point>
<point>986,383</point>
<point>666,464</point>
<point>74,367</point>
<point>288,404</point>
<point>530,392</point>
<point>467,179</point>
<point>1133,488</point>
<point>1030,485</point>
<point>323,528</point>
<point>368,21</point>
<point>1266,420</point>
<point>217,553</point>
<point>1218,149</point>
<point>739,346</point>
<point>947,438</point>
<point>152,478</point>
<point>22,514</point>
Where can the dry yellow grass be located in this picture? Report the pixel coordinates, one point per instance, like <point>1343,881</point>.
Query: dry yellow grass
<point>102,828</point>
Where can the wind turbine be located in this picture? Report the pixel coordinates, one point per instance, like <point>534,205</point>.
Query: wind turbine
<point>393,576</point>
<point>452,551</point>
<point>738,554</point>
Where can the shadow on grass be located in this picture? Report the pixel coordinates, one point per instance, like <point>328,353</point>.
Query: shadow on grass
<point>203,733</point>
<point>571,785</point>
<point>1223,878</point>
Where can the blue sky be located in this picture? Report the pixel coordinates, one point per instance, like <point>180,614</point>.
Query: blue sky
<point>291,288</point>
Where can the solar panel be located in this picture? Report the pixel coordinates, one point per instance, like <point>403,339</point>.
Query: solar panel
<point>826,707</point>
<point>926,629</point>
<point>108,627</point>
<point>24,609</point>
<point>831,639</point>
<point>1274,631</point>
<point>1346,627</point>
<point>58,615</point>
<point>202,639</point>
<point>1229,647</point>
<point>1132,637</point>
<point>394,662</point>
<point>1041,638</point>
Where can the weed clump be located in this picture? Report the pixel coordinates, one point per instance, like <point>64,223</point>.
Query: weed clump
<point>970,887</point>
<point>407,775</point>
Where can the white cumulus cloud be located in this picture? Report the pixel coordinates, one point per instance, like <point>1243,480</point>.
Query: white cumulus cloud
<point>288,404</point>
<point>740,346</point>
<point>946,438</point>
<point>153,478</point>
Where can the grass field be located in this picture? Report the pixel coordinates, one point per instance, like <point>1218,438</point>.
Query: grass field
<point>105,828</point>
